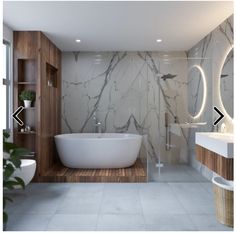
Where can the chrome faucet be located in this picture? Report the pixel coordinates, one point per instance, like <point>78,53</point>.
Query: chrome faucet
<point>97,124</point>
<point>215,127</point>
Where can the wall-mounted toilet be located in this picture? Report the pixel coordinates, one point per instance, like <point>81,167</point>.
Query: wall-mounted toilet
<point>26,171</point>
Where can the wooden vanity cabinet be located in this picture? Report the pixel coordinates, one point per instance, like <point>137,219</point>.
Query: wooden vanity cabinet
<point>215,162</point>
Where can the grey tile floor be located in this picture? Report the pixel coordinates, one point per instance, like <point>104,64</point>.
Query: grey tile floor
<point>174,173</point>
<point>109,206</point>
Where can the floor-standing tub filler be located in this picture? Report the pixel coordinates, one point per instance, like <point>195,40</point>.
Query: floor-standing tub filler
<point>95,150</point>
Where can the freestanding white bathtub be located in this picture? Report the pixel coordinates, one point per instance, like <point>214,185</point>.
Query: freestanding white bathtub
<point>96,150</point>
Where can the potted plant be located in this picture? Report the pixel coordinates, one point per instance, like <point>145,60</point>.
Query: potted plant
<point>28,97</point>
<point>11,161</point>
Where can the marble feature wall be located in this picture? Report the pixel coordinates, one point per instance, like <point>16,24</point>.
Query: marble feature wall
<point>195,90</point>
<point>209,54</point>
<point>227,84</point>
<point>128,92</point>
<point>132,91</point>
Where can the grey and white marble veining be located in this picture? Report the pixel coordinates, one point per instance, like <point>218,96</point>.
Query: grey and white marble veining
<point>195,90</point>
<point>227,84</point>
<point>128,92</point>
<point>208,54</point>
<point>132,91</point>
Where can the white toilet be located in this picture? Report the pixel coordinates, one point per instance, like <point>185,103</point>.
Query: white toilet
<point>27,170</point>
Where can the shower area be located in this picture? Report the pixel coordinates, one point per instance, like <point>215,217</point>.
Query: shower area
<point>158,95</point>
<point>180,100</point>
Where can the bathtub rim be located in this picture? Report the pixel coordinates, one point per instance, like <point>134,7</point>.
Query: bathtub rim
<point>124,136</point>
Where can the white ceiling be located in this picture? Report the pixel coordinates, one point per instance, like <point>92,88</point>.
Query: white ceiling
<point>119,26</point>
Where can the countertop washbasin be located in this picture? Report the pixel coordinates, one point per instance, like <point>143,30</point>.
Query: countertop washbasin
<point>220,143</point>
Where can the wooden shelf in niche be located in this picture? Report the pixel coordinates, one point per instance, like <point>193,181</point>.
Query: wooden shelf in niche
<point>26,71</point>
<point>27,133</point>
<point>25,79</point>
<point>26,83</point>
<point>26,76</point>
<point>29,108</point>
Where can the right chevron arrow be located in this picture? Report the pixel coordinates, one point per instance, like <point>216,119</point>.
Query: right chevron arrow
<point>220,117</point>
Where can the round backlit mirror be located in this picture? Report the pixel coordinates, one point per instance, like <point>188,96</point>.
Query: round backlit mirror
<point>196,91</point>
<point>227,83</point>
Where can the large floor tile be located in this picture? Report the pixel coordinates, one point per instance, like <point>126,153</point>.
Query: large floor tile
<point>114,206</point>
<point>208,223</point>
<point>86,188</point>
<point>175,173</point>
<point>80,204</point>
<point>47,188</point>
<point>17,199</point>
<point>28,222</point>
<point>82,198</point>
<point>42,203</point>
<point>159,198</point>
<point>120,189</point>
<point>164,222</point>
<point>162,205</point>
<point>154,190</point>
<point>193,173</point>
<point>121,205</point>
<point>69,222</point>
<point>209,188</point>
<point>120,223</point>
<point>194,198</point>
<point>189,188</point>
<point>121,199</point>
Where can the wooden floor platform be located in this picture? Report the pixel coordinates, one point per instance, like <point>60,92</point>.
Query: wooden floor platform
<point>59,173</point>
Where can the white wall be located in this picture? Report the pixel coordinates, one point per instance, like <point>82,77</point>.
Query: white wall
<point>8,36</point>
<point>7,33</point>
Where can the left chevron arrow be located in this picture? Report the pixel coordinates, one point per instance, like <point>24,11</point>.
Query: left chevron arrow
<point>15,115</point>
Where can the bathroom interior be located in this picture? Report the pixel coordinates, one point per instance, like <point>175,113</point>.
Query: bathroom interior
<point>130,125</point>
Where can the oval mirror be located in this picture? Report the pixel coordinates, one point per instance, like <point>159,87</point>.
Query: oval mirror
<point>227,83</point>
<point>196,91</point>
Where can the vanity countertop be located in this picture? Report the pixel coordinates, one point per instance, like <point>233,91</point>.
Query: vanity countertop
<point>220,143</point>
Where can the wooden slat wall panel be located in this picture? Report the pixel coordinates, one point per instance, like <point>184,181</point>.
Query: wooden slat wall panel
<point>36,46</point>
<point>217,163</point>
<point>51,102</point>
<point>25,44</point>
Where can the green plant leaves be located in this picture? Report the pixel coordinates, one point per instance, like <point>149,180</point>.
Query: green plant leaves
<point>10,184</point>
<point>27,95</point>
<point>8,146</point>
<point>20,182</point>
<point>8,171</point>
<point>16,154</point>
<point>6,135</point>
<point>5,199</point>
<point>5,217</point>
<point>15,160</point>
<point>10,164</point>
